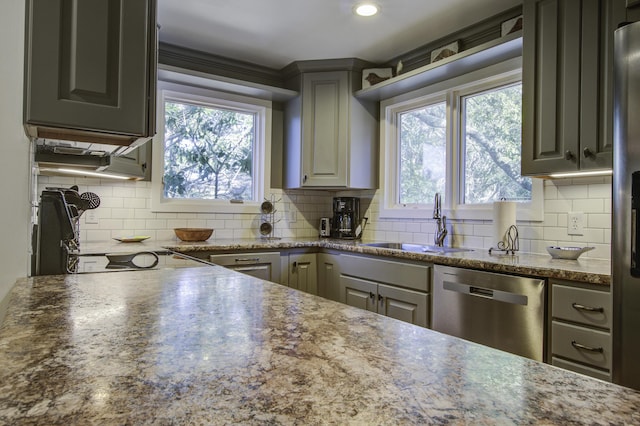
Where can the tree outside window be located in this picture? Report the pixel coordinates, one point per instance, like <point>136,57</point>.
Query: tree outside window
<point>208,152</point>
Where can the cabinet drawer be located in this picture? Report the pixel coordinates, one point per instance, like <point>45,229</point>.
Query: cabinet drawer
<point>590,307</point>
<point>408,275</point>
<point>566,338</point>
<point>582,369</point>
<point>244,258</point>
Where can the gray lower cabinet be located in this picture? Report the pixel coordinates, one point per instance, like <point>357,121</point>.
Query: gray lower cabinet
<point>264,265</point>
<point>303,272</point>
<point>90,70</point>
<point>396,289</point>
<point>580,331</point>
<point>331,138</point>
<point>329,276</point>
<point>567,84</point>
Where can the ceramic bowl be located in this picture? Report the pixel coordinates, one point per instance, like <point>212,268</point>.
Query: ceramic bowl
<point>571,253</point>
<point>193,234</point>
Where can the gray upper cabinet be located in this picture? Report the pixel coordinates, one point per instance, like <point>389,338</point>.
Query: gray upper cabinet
<point>90,70</point>
<point>567,84</point>
<point>331,138</point>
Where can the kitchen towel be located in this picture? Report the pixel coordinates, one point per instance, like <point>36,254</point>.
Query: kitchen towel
<point>504,215</point>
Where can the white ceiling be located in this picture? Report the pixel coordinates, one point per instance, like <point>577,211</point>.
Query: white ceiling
<point>275,33</point>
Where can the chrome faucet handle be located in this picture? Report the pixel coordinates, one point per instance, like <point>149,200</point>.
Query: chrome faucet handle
<point>437,206</point>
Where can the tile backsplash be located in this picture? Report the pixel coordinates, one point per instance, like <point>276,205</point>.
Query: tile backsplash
<point>124,210</point>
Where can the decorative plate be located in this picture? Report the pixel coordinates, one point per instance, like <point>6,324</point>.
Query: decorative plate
<point>135,239</point>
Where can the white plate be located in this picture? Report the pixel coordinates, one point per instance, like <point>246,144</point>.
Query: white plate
<point>135,239</point>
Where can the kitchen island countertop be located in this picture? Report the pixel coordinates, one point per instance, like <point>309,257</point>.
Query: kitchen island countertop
<point>212,346</point>
<point>587,270</point>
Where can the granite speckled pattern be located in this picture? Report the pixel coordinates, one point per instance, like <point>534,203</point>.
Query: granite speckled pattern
<point>212,346</point>
<point>594,271</point>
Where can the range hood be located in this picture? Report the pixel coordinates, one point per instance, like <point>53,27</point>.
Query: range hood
<point>57,157</point>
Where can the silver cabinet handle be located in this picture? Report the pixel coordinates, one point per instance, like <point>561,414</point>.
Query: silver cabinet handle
<point>586,348</point>
<point>580,307</point>
<point>248,259</point>
<point>371,295</point>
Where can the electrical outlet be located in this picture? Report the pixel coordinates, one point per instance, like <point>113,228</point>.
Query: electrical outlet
<point>575,223</point>
<point>90,216</point>
<point>292,216</point>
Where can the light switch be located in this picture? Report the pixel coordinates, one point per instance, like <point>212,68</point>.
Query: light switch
<point>90,216</point>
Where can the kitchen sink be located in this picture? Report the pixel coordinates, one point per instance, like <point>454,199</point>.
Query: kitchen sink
<point>417,247</point>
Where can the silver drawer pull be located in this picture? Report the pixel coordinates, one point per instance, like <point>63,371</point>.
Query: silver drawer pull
<point>248,259</point>
<point>586,308</point>
<point>586,348</point>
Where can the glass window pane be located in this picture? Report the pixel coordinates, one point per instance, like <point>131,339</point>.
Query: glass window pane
<point>492,127</point>
<point>208,152</point>
<point>422,159</point>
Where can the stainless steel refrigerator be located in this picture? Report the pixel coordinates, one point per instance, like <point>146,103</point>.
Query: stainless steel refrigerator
<point>625,253</point>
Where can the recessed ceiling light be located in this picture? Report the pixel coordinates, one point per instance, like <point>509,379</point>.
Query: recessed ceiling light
<point>366,9</point>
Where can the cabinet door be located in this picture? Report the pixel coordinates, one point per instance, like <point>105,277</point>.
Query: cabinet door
<point>89,66</point>
<point>599,21</point>
<point>359,293</point>
<point>405,305</point>
<point>328,276</point>
<point>551,86</point>
<point>303,272</point>
<point>325,111</point>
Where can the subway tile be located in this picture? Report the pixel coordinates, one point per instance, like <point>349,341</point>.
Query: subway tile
<point>600,191</point>
<point>557,206</point>
<point>588,205</point>
<point>597,220</point>
<point>572,192</point>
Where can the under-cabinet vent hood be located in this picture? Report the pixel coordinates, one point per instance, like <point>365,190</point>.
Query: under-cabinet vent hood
<point>55,157</point>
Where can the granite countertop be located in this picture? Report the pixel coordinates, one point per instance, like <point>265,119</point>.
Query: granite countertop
<point>213,346</point>
<point>594,271</point>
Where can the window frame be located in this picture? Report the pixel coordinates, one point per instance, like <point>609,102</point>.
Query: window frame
<point>262,111</point>
<point>452,90</point>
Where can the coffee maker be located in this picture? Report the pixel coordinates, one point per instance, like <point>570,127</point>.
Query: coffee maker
<point>346,217</point>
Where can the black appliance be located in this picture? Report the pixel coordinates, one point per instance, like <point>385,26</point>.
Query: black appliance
<point>57,242</point>
<point>346,218</point>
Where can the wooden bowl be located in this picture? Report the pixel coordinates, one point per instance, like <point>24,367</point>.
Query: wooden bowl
<point>193,234</point>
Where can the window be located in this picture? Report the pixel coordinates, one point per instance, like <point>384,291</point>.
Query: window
<point>210,151</point>
<point>462,139</point>
<point>491,142</point>
<point>422,153</point>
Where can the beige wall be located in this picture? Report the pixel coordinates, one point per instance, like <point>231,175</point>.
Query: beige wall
<point>14,152</point>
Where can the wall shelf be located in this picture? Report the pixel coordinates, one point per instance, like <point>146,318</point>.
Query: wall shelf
<point>490,53</point>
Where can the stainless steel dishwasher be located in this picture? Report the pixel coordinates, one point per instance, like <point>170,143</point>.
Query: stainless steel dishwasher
<point>502,311</point>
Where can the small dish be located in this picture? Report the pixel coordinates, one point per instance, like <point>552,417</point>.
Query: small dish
<point>570,253</point>
<point>134,239</point>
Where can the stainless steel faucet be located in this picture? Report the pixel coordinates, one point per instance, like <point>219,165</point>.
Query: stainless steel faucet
<point>441,221</point>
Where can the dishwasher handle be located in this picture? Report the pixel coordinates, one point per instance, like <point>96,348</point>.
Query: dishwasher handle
<point>486,293</point>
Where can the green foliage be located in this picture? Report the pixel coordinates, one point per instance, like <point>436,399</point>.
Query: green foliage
<point>492,140</point>
<point>422,154</point>
<point>491,149</point>
<point>208,152</point>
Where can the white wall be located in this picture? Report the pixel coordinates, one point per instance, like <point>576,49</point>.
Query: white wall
<point>592,196</point>
<point>14,153</point>
<point>124,210</point>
